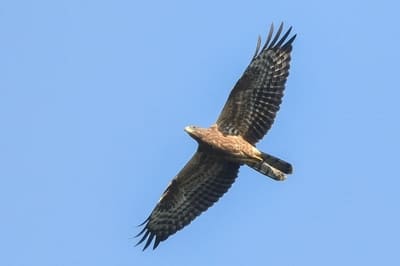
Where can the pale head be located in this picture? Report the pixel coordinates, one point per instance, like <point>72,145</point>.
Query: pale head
<point>190,129</point>
<point>194,131</point>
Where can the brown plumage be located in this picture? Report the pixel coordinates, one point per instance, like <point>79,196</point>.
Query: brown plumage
<point>246,117</point>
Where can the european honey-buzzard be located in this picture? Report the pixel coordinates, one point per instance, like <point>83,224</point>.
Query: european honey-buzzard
<point>229,143</point>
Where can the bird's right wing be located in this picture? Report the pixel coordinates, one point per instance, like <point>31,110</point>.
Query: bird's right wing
<point>254,101</point>
<point>203,180</point>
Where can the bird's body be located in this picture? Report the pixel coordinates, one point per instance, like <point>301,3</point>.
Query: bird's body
<point>228,144</point>
<point>233,148</point>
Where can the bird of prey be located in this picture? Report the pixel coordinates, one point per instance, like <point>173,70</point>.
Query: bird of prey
<point>229,143</point>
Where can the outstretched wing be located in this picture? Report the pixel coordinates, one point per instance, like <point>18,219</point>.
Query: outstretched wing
<point>203,180</point>
<point>254,101</point>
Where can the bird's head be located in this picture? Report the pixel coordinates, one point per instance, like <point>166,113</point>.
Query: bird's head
<point>193,131</point>
<point>190,129</point>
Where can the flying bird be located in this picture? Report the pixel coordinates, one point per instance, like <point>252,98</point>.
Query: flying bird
<point>227,144</point>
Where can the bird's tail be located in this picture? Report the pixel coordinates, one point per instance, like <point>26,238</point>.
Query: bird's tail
<point>272,167</point>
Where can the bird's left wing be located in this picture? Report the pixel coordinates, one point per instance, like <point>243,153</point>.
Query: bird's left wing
<point>203,180</point>
<point>254,101</point>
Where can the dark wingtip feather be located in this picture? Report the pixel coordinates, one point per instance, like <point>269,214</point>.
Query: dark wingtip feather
<point>271,31</point>
<point>141,232</point>
<point>278,33</point>
<point>289,42</point>
<point>144,231</point>
<point>273,40</point>
<point>143,238</point>
<point>145,221</point>
<point>148,241</point>
<point>284,37</point>
<point>147,234</point>
<point>156,242</point>
<point>257,47</point>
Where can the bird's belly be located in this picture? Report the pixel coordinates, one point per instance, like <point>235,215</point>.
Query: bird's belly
<point>234,146</point>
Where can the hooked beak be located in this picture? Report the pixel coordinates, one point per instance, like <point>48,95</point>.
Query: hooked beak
<point>189,129</point>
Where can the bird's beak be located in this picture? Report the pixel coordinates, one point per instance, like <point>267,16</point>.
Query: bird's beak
<point>188,129</point>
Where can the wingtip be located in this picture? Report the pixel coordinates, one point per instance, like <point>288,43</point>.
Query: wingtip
<point>148,242</point>
<point>280,26</point>
<point>156,242</point>
<point>273,40</point>
<point>276,38</point>
<point>289,42</point>
<point>147,235</point>
<point>141,232</point>
<point>257,47</point>
<point>143,238</point>
<point>283,38</point>
<point>269,36</point>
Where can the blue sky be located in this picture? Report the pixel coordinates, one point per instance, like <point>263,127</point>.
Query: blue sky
<point>94,96</point>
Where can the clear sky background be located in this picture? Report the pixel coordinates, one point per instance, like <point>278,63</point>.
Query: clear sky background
<point>94,96</point>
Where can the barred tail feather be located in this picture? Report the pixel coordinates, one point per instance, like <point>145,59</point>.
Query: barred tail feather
<point>272,167</point>
<point>277,163</point>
